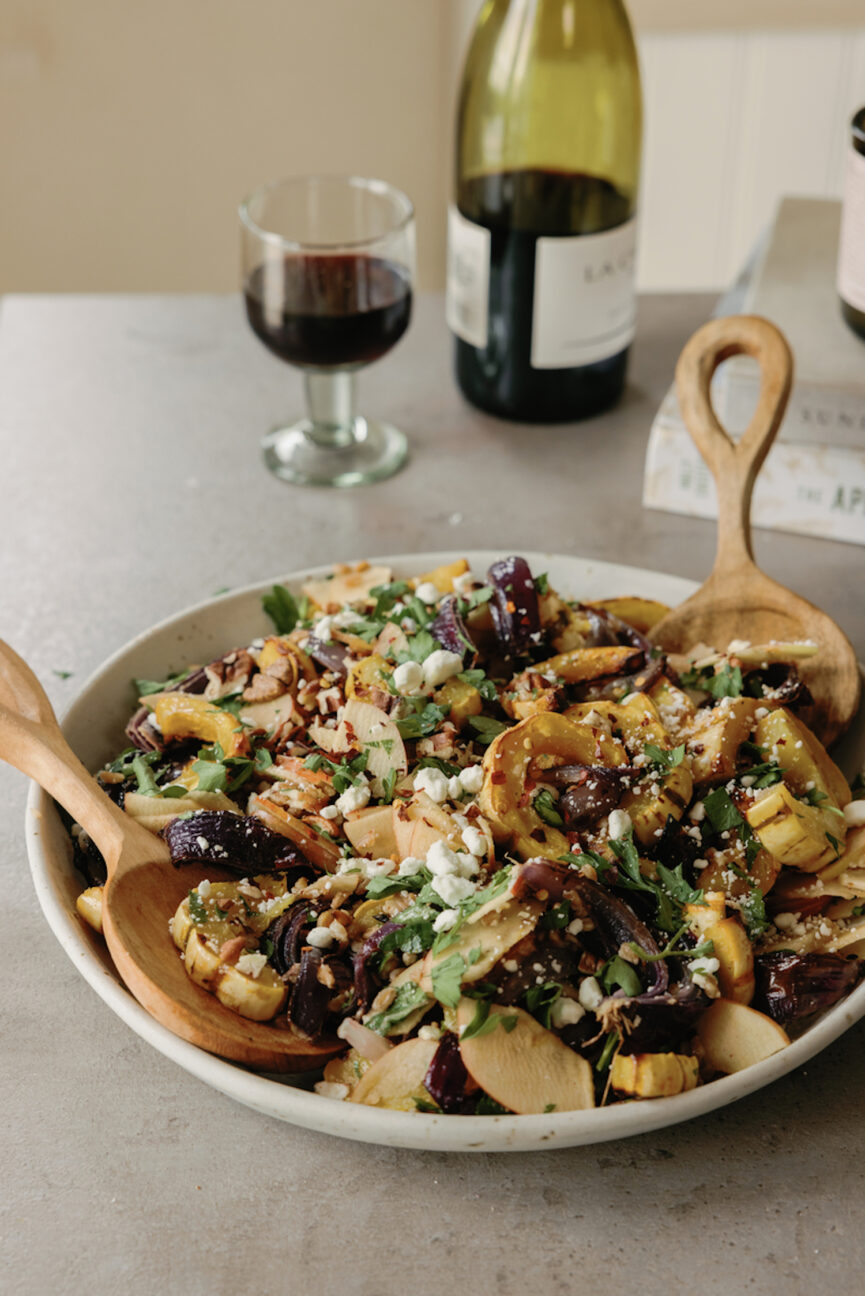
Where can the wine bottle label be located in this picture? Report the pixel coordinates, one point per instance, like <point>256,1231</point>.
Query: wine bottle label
<point>583,307</point>
<point>851,250</point>
<point>468,279</point>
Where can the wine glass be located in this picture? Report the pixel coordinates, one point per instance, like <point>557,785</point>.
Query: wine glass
<point>328,268</point>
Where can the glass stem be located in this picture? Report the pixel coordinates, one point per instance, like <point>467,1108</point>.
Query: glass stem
<point>330,401</point>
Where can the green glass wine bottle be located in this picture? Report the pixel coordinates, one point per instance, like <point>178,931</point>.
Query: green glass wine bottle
<point>541,237</point>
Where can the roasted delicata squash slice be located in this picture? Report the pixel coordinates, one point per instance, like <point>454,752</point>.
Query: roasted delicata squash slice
<point>640,613</point>
<point>284,660</point>
<point>653,1075</point>
<point>504,798</point>
<point>805,762</point>
<point>184,715</point>
<point>258,998</point>
<point>656,799</point>
<point>800,835</point>
<point>591,663</point>
<point>716,736</point>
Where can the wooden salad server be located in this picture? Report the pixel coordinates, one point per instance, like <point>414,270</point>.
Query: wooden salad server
<point>738,601</point>
<point>142,892</point>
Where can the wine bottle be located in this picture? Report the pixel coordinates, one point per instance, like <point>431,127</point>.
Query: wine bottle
<point>851,249</point>
<point>541,237</point>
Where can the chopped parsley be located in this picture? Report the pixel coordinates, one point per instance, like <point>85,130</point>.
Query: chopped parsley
<point>725,682</point>
<point>447,976</point>
<point>664,760</point>
<point>423,719</point>
<point>484,1022</point>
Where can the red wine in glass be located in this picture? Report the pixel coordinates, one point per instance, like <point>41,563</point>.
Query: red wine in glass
<point>320,310</point>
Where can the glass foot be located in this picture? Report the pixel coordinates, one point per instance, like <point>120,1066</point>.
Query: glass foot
<point>376,450</point>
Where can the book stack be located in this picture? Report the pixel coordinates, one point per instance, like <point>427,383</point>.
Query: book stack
<point>813,480</point>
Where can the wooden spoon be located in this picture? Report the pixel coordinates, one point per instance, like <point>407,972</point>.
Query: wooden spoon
<point>738,601</point>
<point>142,892</point>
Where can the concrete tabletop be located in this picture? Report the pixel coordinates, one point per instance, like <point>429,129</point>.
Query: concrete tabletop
<point>133,486</point>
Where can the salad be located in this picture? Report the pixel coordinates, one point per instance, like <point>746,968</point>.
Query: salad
<point>509,854</point>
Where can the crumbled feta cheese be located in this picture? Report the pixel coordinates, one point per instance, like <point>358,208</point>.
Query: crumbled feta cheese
<point>854,814</point>
<point>566,1012</point>
<point>786,921</point>
<point>408,678</point>
<point>574,928</point>
<point>154,723</point>
<point>445,920</point>
<point>203,888</point>
<point>697,813</point>
<point>202,843</point>
<point>320,938</point>
<point>427,593</point>
<point>463,584</point>
<point>590,994</point>
<point>251,964</point>
<point>618,824</point>
<point>433,782</point>
<point>323,628</point>
<point>452,889</point>
<point>441,665</point>
<point>455,788</point>
<point>410,865</point>
<point>441,860</point>
<point>353,798</point>
<point>329,1089</point>
<point>705,966</point>
<point>474,842</point>
<point>472,779</point>
<point>329,812</point>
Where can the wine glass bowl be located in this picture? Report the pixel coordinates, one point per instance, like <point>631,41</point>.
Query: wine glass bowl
<point>328,272</point>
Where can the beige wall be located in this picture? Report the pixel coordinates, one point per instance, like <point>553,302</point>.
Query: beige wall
<point>130,129</point>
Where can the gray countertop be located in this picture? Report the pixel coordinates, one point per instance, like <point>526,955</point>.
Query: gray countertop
<point>133,486</point>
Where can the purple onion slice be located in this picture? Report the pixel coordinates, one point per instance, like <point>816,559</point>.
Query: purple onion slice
<point>332,656</point>
<point>514,606</point>
<point>366,984</point>
<point>450,630</point>
<point>792,986</point>
<point>591,791</point>
<point>237,842</point>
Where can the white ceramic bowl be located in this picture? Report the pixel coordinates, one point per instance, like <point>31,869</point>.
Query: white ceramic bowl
<point>94,727</point>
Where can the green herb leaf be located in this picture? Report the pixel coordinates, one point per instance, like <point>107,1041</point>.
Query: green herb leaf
<point>540,1000</point>
<point>721,812</point>
<point>144,776</point>
<point>423,1105</point>
<point>542,583</point>
<point>725,682</point>
<point>435,762</point>
<point>618,973</point>
<point>408,998</point>
<point>544,806</point>
<point>477,679</point>
<point>145,687</point>
<point>486,728</point>
<point>557,917</point>
<point>664,760</point>
<point>424,719</point>
<point>281,606</point>
<point>447,978</point>
<point>62,674</point>
<point>380,887</point>
<point>487,1106</point>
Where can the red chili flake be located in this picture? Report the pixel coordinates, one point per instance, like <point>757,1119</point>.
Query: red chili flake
<point>498,776</point>
<point>511,607</point>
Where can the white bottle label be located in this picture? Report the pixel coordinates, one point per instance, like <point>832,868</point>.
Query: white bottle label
<point>468,279</point>
<point>584,297</point>
<point>851,250</point>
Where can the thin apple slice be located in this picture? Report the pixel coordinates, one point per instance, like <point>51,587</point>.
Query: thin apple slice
<point>370,832</point>
<point>522,1065</point>
<point>735,1037</point>
<point>396,1079</point>
<point>351,586</point>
